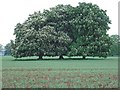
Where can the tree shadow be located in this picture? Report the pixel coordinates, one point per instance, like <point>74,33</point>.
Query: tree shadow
<point>25,60</point>
<point>85,59</point>
<point>57,59</point>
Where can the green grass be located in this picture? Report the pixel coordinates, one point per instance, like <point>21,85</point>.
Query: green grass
<point>54,73</point>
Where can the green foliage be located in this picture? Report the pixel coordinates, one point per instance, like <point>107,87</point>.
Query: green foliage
<point>45,41</point>
<point>90,27</point>
<point>64,30</point>
<point>114,50</point>
<point>8,49</point>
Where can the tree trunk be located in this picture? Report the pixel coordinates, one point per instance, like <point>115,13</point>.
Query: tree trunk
<point>61,57</point>
<point>40,57</point>
<point>84,57</point>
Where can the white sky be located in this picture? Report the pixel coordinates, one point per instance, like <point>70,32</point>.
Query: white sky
<point>14,11</point>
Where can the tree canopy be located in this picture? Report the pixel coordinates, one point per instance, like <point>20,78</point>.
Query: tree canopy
<point>64,30</point>
<point>115,47</point>
<point>37,40</point>
<point>7,49</point>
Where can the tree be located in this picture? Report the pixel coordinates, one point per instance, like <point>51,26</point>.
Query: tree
<point>64,30</point>
<point>35,38</point>
<point>27,37</point>
<point>59,17</point>
<point>90,25</point>
<point>114,50</point>
<point>86,25</point>
<point>8,49</point>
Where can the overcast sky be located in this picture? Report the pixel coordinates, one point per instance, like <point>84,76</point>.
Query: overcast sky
<point>14,11</point>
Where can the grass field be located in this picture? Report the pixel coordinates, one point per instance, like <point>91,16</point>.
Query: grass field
<point>54,73</point>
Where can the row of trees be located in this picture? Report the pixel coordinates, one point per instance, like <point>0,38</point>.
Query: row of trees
<point>64,30</point>
<point>114,49</point>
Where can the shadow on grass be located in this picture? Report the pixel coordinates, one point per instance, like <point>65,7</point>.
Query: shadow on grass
<point>56,59</point>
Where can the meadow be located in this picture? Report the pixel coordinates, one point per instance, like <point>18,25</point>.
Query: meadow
<point>54,73</point>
